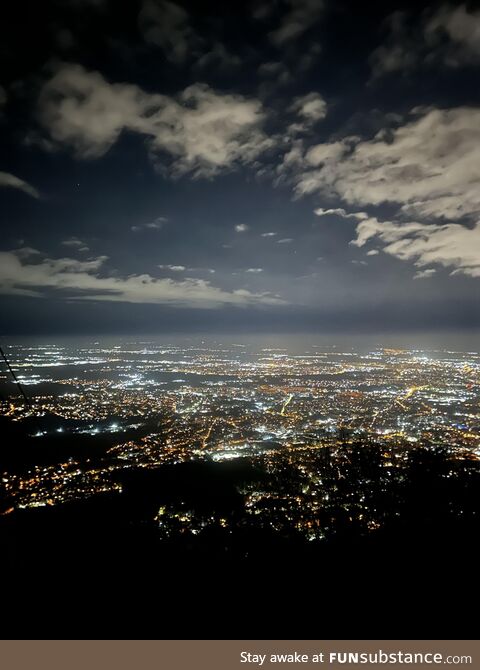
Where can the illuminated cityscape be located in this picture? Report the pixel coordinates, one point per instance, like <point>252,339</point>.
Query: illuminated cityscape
<point>239,303</point>
<point>302,420</point>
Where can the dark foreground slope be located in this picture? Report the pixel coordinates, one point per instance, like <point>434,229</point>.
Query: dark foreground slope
<point>100,568</point>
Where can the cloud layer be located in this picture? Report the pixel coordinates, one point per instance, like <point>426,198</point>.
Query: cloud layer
<point>83,280</point>
<point>430,165</point>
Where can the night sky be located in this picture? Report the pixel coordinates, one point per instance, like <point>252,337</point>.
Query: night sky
<point>262,166</point>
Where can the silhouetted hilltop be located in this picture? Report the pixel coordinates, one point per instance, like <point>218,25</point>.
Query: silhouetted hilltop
<point>95,564</point>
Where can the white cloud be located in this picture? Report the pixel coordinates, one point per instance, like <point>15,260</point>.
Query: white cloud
<point>8,180</point>
<point>167,25</point>
<point>424,274</point>
<point>450,245</point>
<point>285,240</point>
<point>199,131</point>
<point>311,107</point>
<point>241,228</point>
<point>158,224</point>
<point>429,168</point>
<point>299,17</point>
<point>173,268</point>
<point>339,211</point>
<point>322,153</point>
<point>254,270</point>
<point>430,165</point>
<point>75,242</point>
<point>373,252</point>
<point>184,268</point>
<point>26,252</point>
<point>83,280</point>
<point>293,159</point>
<point>270,234</point>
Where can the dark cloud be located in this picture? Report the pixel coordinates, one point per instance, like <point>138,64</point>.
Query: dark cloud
<point>167,25</point>
<point>298,17</point>
<point>448,35</point>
